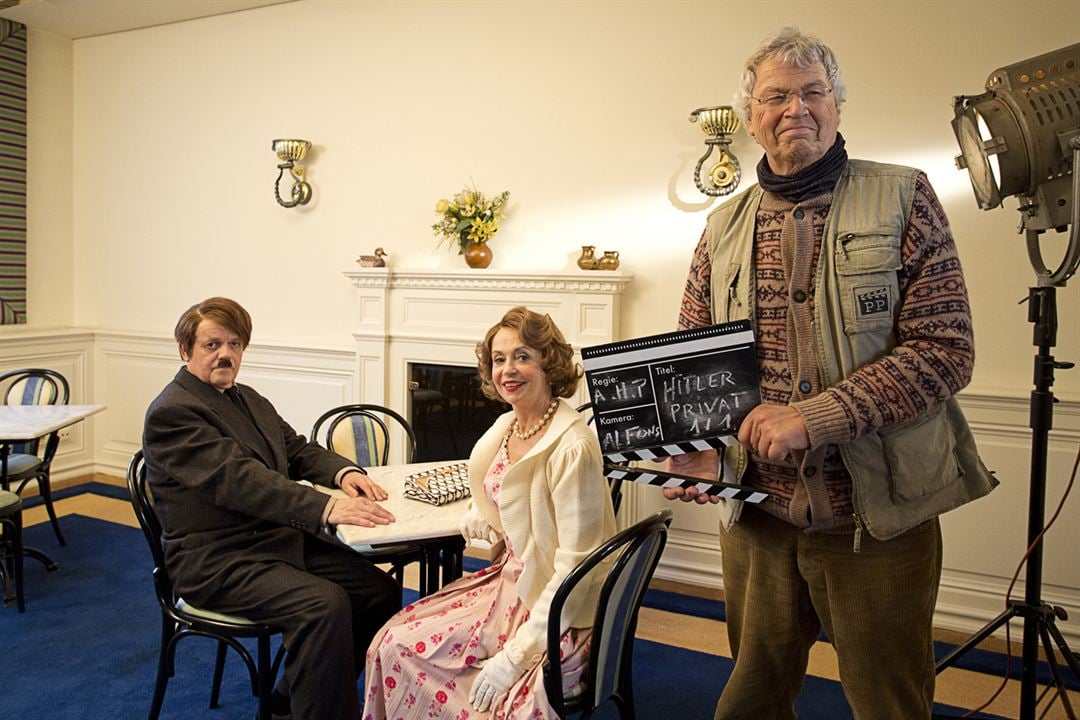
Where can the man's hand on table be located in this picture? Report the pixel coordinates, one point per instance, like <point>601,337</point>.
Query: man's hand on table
<point>358,511</point>
<point>360,507</point>
<point>357,484</point>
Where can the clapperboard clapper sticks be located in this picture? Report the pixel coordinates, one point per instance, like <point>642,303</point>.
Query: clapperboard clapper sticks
<point>728,491</point>
<point>663,395</point>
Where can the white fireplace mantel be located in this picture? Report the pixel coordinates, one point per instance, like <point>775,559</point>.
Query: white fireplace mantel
<point>407,316</point>
<point>594,282</point>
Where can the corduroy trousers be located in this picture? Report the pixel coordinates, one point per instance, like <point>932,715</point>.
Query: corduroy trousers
<point>782,586</point>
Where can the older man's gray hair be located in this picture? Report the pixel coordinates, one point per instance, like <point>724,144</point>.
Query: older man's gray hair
<point>790,46</point>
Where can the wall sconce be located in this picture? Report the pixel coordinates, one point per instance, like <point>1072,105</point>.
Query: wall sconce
<point>717,123</point>
<point>290,152</point>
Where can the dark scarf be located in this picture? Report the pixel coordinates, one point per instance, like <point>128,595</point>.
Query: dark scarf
<point>813,180</point>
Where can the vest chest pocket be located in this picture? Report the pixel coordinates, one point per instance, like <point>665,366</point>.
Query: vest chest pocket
<point>866,265</point>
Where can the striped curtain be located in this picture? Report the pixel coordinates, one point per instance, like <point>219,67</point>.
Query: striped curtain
<point>12,173</point>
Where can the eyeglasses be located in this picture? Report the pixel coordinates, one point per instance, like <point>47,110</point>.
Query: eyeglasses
<point>814,95</point>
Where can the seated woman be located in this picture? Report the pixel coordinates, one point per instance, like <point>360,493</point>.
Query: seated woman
<point>475,649</point>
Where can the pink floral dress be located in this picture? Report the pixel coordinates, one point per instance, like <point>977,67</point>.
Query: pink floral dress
<point>420,664</point>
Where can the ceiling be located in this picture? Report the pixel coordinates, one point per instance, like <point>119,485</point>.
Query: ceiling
<point>86,18</point>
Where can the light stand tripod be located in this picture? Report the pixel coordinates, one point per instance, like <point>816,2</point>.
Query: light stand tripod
<point>1021,138</point>
<point>1039,617</point>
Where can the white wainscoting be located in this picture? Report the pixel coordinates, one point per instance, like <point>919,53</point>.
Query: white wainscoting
<point>984,541</point>
<point>69,352</point>
<point>131,369</point>
<point>126,371</point>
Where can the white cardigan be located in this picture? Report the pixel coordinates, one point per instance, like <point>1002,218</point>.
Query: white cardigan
<point>555,508</point>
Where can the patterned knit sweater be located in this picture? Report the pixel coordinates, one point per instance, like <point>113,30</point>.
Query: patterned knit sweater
<point>932,360</point>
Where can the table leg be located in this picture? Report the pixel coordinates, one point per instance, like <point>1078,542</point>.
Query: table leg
<point>431,582</point>
<point>452,561</point>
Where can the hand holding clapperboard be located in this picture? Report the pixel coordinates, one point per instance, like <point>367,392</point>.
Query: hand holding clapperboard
<point>670,394</point>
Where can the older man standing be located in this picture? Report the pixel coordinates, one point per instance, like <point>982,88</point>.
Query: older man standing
<point>848,271</point>
<point>242,537</point>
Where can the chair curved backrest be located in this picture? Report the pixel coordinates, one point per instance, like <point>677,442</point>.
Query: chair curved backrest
<point>35,386</point>
<point>614,484</point>
<point>143,504</point>
<point>360,433</point>
<point>635,552</point>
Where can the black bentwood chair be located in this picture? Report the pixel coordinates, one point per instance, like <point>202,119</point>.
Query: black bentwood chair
<point>361,433</point>
<point>180,620</point>
<point>34,386</point>
<point>615,484</point>
<point>636,551</point>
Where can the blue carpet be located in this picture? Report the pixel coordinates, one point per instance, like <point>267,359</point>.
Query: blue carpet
<point>91,632</point>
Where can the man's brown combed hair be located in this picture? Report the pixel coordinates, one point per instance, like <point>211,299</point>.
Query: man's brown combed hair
<point>225,312</point>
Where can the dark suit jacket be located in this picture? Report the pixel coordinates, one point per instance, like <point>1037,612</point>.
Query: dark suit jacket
<point>226,491</point>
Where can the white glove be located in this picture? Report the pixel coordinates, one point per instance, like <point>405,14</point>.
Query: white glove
<point>474,527</point>
<point>495,678</point>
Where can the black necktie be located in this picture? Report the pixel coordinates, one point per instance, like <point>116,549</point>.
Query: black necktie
<point>234,394</point>
<point>263,445</point>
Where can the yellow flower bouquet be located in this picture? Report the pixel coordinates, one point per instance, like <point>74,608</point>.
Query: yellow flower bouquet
<point>470,217</point>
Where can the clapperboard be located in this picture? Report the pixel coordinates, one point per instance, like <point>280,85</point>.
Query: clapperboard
<point>670,394</point>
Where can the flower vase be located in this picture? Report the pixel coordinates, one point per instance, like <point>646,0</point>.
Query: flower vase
<point>477,255</point>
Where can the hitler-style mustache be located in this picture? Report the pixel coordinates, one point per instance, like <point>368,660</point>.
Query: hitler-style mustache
<point>224,364</point>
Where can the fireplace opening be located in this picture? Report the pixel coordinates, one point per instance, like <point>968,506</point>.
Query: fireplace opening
<point>447,411</point>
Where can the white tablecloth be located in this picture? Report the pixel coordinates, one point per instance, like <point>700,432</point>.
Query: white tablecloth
<point>415,520</point>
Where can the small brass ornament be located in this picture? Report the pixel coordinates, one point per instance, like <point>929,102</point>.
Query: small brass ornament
<point>588,258</point>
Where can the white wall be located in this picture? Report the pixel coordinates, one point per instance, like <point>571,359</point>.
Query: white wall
<point>580,109</point>
<point>152,174</point>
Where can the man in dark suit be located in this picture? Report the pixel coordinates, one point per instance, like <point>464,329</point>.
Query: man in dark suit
<point>242,537</point>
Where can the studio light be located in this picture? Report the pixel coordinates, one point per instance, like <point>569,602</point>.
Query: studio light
<point>1022,137</point>
<point>291,151</point>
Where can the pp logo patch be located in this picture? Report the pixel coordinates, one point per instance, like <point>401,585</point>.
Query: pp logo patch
<point>873,302</point>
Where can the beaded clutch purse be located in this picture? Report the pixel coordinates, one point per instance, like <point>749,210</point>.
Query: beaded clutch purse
<point>439,486</point>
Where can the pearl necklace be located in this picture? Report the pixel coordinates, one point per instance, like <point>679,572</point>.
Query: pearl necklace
<point>538,426</point>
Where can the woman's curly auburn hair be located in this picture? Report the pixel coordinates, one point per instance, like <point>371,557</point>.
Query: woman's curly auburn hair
<point>541,334</point>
